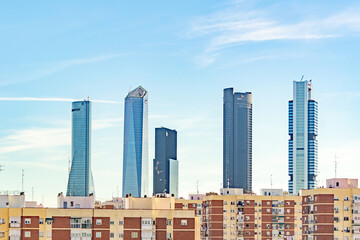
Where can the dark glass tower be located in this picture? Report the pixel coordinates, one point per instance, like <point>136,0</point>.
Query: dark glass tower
<point>303,144</point>
<point>237,140</point>
<point>80,178</point>
<point>165,163</point>
<point>135,159</point>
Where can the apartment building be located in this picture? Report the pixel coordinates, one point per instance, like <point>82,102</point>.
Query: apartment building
<point>146,218</point>
<point>245,217</point>
<point>331,213</point>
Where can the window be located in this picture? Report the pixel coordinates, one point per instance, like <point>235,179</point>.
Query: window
<point>146,222</point>
<point>41,234</point>
<point>225,202</point>
<point>346,198</point>
<point>121,235</point>
<point>134,235</point>
<point>346,208</point>
<point>121,222</point>
<point>27,220</point>
<point>2,221</point>
<point>71,203</point>
<point>98,234</point>
<point>112,222</point>
<point>112,235</point>
<point>77,206</point>
<point>41,221</point>
<point>168,235</point>
<point>168,222</point>
<point>346,218</point>
<point>98,221</point>
<point>48,234</point>
<point>27,234</point>
<point>183,222</point>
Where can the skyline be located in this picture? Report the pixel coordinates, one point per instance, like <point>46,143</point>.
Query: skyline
<point>100,51</point>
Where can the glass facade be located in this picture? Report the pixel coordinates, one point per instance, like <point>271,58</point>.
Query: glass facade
<point>81,181</point>
<point>237,140</point>
<point>165,171</point>
<point>135,158</point>
<point>303,131</point>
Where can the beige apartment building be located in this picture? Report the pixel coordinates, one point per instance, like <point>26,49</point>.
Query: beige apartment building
<point>145,218</point>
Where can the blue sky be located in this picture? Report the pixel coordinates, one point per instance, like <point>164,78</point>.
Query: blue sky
<point>184,53</point>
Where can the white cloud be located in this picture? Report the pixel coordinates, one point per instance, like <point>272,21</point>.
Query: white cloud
<point>236,25</point>
<point>34,138</point>
<point>50,68</point>
<point>36,99</point>
<point>106,123</point>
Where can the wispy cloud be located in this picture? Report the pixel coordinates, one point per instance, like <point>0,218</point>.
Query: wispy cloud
<point>106,123</point>
<point>31,99</point>
<point>239,25</point>
<point>50,68</point>
<point>34,138</point>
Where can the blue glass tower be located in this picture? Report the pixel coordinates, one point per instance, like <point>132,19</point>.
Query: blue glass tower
<point>303,144</point>
<point>237,140</point>
<point>80,178</point>
<point>135,159</point>
<point>166,166</point>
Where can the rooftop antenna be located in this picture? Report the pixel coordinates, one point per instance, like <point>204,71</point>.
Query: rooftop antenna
<point>335,165</point>
<point>271,182</point>
<point>69,165</point>
<point>22,180</point>
<point>302,77</point>
<point>197,186</point>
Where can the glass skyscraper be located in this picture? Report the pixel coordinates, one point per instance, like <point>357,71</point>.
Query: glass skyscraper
<point>80,181</point>
<point>237,140</point>
<point>166,166</point>
<point>303,144</point>
<point>135,159</point>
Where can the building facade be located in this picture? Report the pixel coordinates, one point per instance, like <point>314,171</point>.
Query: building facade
<point>250,217</point>
<point>80,182</point>
<point>135,156</point>
<point>331,213</point>
<point>237,140</point>
<point>303,144</point>
<point>166,166</point>
<point>99,224</point>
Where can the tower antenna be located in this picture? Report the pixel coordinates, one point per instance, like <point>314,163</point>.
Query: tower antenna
<point>197,186</point>
<point>69,165</point>
<point>302,77</point>
<point>271,182</point>
<point>335,165</point>
<point>22,180</point>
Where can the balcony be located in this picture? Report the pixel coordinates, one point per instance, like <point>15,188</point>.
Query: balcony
<point>14,237</point>
<point>15,225</point>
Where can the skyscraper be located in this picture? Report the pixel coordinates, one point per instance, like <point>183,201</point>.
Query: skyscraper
<point>135,159</point>
<point>166,166</point>
<point>80,178</point>
<point>303,145</point>
<point>237,140</point>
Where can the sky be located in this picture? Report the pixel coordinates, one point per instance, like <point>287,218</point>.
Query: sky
<point>184,53</point>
